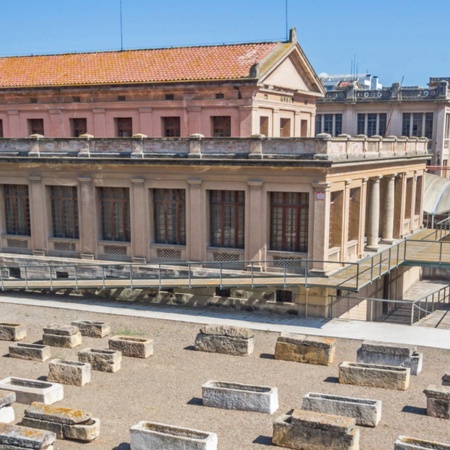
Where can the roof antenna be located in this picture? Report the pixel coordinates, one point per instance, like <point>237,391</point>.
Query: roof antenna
<point>121,27</point>
<point>286,19</point>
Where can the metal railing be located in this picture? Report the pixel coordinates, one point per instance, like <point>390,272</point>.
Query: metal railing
<point>429,303</point>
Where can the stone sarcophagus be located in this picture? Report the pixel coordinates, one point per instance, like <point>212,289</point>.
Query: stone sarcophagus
<point>69,372</point>
<point>92,328</point>
<point>134,346</point>
<point>365,412</point>
<point>390,355</point>
<point>66,336</point>
<point>14,437</point>
<point>305,349</point>
<point>158,436</point>
<point>29,391</point>
<point>12,331</point>
<point>438,401</point>
<point>409,443</point>
<point>308,430</point>
<point>103,360</point>
<point>66,423</point>
<point>374,375</point>
<point>6,410</point>
<point>31,352</point>
<point>225,339</point>
<point>244,397</point>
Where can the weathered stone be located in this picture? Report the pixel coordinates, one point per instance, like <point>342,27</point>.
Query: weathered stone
<point>23,437</point>
<point>308,430</point>
<point>374,375</point>
<point>224,344</point>
<point>305,349</point>
<point>245,397</point>
<point>86,432</point>
<point>101,359</point>
<point>133,346</point>
<point>61,330</point>
<point>58,414</point>
<point>438,401</point>
<point>31,352</point>
<point>69,372</point>
<point>409,443</point>
<point>446,379</point>
<point>92,328</point>
<point>54,427</point>
<point>227,330</point>
<point>29,391</point>
<point>364,411</point>
<point>57,340</point>
<point>7,398</point>
<point>12,331</point>
<point>7,414</point>
<point>157,436</point>
<point>390,355</point>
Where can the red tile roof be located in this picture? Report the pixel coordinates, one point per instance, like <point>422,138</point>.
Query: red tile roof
<point>219,62</point>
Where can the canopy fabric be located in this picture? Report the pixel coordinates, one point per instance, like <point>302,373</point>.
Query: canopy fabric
<point>437,195</point>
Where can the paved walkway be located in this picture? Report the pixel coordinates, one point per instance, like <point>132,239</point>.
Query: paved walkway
<point>401,334</point>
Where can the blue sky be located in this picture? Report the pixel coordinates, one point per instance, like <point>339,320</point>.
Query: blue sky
<point>394,39</point>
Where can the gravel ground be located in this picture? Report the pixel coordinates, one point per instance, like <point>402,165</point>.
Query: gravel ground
<point>167,386</point>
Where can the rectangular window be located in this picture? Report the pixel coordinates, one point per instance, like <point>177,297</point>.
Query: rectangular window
<point>372,124</point>
<point>17,209</point>
<point>115,209</point>
<point>1,128</point>
<point>227,218</point>
<point>124,127</point>
<point>64,204</point>
<point>285,127</point>
<point>361,124</point>
<point>36,126</point>
<point>78,127</point>
<point>289,215</point>
<point>169,215</point>
<point>418,124</point>
<point>429,125</point>
<point>171,126</point>
<point>264,125</point>
<point>221,126</point>
<point>337,124</point>
<point>329,123</point>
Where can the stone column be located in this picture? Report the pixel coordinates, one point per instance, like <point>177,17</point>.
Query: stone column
<point>345,220</point>
<point>195,222</point>
<point>87,206</point>
<point>362,217</point>
<point>99,122</point>
<point>276,123</point>
<point>139,221</point>
<point>145,118</point>
<point>388,210</point>
<point>413,202</point>
<point>400,203</point>
<point>373,229</point>
<point>14,126</point>
<point>38,219</point>
<point>256,226</point>
<point>297,124</point>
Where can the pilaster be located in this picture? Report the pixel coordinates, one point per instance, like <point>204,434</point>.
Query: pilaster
<point>38,220</point>
<point>256,225</point>
<point>195,221</point>
<point>87,206</point>
<point>139,220</point>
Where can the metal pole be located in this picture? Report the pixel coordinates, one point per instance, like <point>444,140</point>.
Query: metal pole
<point>252,273</point>
<point>26,278</point>
<point>103,277</point>
<point>159,274</point>
<point>284,278</point>
<point>1,273</point>
<point>131,276</point>
<point>189,272</point>
<point>76,278</point>
<point>221,275</point>
<point>412,312</point>
<point>51,279</point>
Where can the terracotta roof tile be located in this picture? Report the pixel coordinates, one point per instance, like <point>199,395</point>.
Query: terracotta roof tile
<point>133,66</point>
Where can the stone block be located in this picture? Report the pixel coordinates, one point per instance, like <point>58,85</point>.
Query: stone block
<point>92,328</point>
<point>390,355</point>
<point>308,430</point>
<point>29,391</point>
<point>158,436</point>
<point>409,443</point>
<point>244,397</point>
<point>32,352</point>
<point>69,372</point>
<point>305,349</point>
<point>7,398</point>
<point>225,339</point>
<point>12,331</point>
<point>61,330</point>
<point>66,336</point>
<point>6,410</point>
<point>364,411</point>
<point>438,401</point>
<point>86,432</point>
<point>374,375</point>
<point>15,436</point>
<point>134,346</point>
<point>103,360</point>
<point>446,379</point>
<point>7,414</point>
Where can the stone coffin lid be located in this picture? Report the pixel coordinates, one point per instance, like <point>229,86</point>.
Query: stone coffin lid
<point>301,339</point>
<point>6,398</point>
<point>325,422</point>
<point>61,330</point>
<point>224,330</point>
<point>58,414</point>
<point>25,437</point>
<point>439,392</point>
<point>387,349</point>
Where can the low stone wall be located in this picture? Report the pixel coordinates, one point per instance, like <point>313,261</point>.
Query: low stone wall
<point>92,328</point>
<point>409,443</point>
<point>244,397</point>
<point>29,391</point>
<point>66,336</point>
<point>12,331</point>
<point>390,355</point>
<point>69,372</point>
<point>31,352</point>
<point>6,410</point>
<point>374,375</point>
<point>305,349</point>
<point>134,346</point>
<point>438,401</point>
<point>364,411</point>
<point>225,339</point>
<point>15,437</point>
<point>66,423</point>
<point>158,436</point>
<point>308,430</point>
<point>103,360</point>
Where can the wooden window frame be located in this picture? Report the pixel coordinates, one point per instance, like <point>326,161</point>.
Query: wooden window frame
<point>64,208</point>
<point>115,214</point>
<point>221,126</point>
<point>124,127</point>
<point>36,126</point>
<point>171,126</point>
<point>169,216</point>
<point>78,126</point>
<point>17,209</point>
